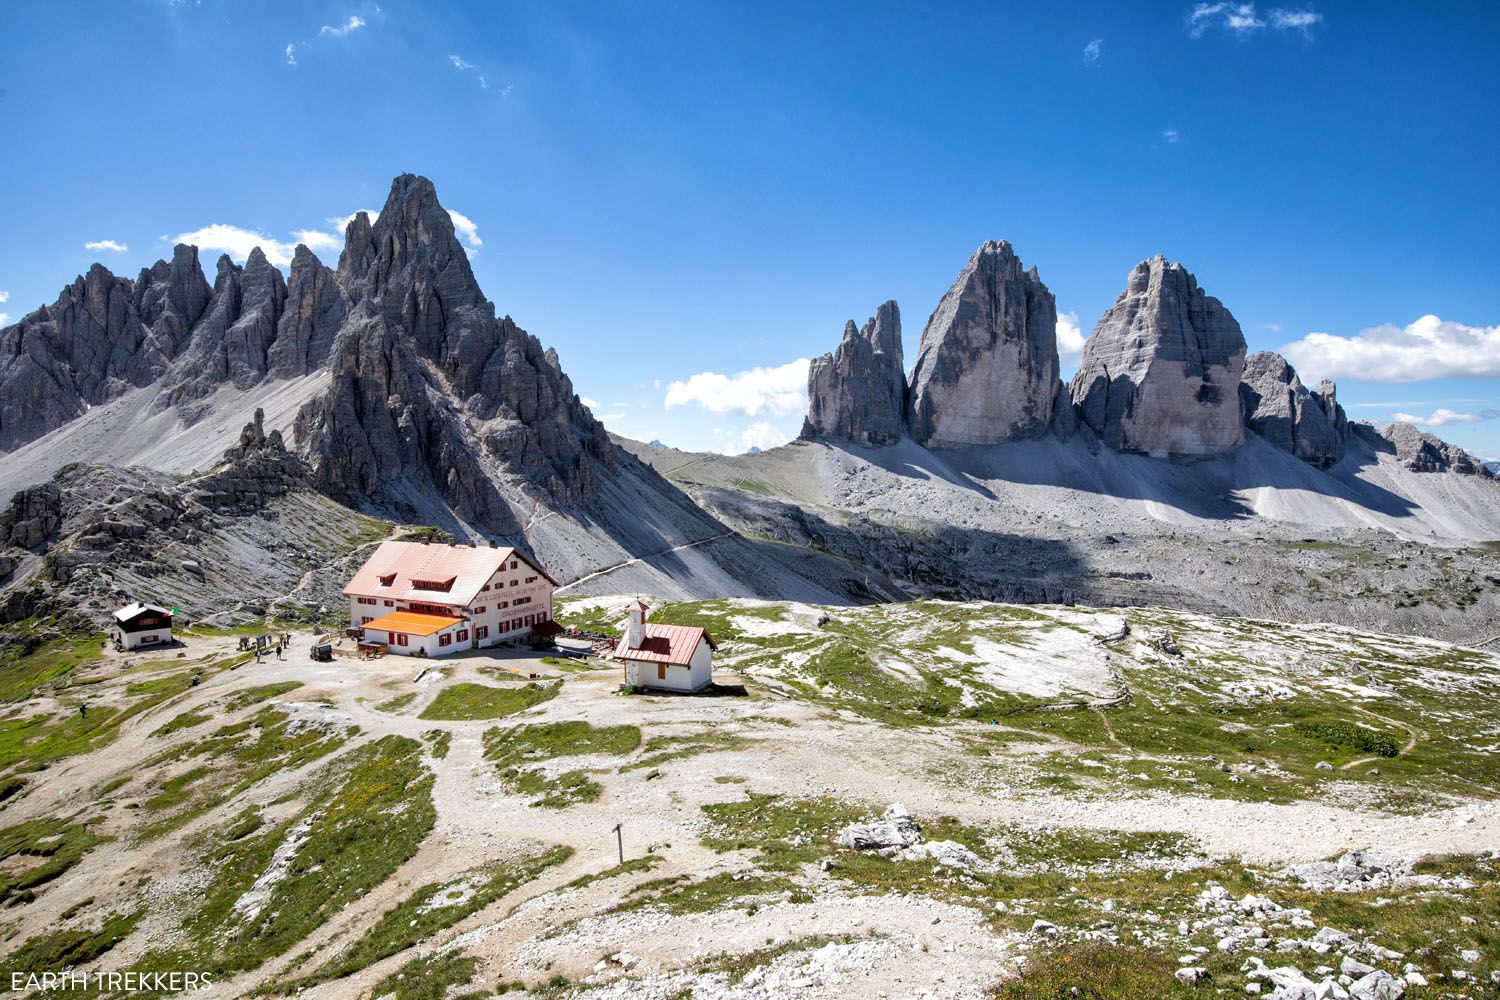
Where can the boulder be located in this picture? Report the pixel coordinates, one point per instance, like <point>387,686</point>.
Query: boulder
<point>1161,372</point>
<point>987,368</point>
<point>894,830</point>
<point>858,393</point>
<point>1278,407</point>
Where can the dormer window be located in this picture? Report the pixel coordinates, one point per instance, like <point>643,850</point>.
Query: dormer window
<point>386,579</point>
<point>439,585</point>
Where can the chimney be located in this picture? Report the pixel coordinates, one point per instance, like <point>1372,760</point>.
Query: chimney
<point>426,540</point>
<point>492,544</point>
<point>473,543</point>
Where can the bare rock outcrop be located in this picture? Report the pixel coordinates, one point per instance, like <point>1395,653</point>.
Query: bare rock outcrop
<point>232,343</point>
<point>103,336</point>
<point>428,386</point>
<point>311,315</point>
<point>1161,372</point>
<point>987,369</point>
<point>1278,407</point>
<point>1422,452</point>
<point>858,393</point>
<point>255,470</point>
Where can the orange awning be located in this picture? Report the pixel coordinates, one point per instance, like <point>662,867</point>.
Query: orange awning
<point>412,622</point>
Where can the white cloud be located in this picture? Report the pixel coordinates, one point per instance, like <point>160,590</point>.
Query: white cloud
<point>467,230</point>
<point>317,239</point>
<point>1243,20</point>
<point>4,319</point>
<point>1171,135</point>
<point>760,435</point>
<point>1092,51</point>
<point>353,24</point>
<point>464,66</point>
<point>1429,348</point>
<point>781,390</point>
<point>113,246</point>
<point>588,402</point>
<point>508,88</point>
<point>291,53</point>
<point>1442,416</point>
<point>1069,338</point>
<point>1295,20</point>
<point>4,298</point>
<point>237,243</point>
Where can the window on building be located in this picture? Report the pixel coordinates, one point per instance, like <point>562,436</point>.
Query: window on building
<point>661,671</point>
<point>390,604</point>
<point>531,619</point>
<point>365,619</point>
<point>400,638</point>
<point>485,587</point>
<point>481,609</point>
<point>503,604</point>
<point>514,564</point>
<point>531,579</point>
<point>445,640</point>
<point>482,632</point>
<point>463,635</point>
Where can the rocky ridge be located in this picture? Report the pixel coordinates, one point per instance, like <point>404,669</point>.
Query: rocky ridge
<point>858,393</point>
<point>1278,407</point>
<point>1165,373</point>
<point>986,372</point>
<point>1160,374</point>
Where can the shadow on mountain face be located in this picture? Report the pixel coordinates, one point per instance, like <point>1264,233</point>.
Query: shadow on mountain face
<point>1209,487</point>
<point>877,561</point>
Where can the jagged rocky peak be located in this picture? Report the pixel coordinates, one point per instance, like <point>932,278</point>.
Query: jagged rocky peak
<point>986,370</point>
<point>858,393</point>
<point>1161,372</point>
<point>232,343</point>
<point>1422,452</point>
<point>427,384</point>
<point>102,337</point>
<point>312,312</point>
<point>1308,423</point>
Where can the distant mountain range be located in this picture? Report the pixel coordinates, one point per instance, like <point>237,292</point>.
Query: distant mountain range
<point>399,390</point>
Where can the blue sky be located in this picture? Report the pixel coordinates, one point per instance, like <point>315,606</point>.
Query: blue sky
<point>669,190</point>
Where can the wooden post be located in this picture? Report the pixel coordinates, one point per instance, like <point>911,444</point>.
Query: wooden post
<point>620,841</point>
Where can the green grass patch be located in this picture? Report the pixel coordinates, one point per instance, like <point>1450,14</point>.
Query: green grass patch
<point>440,740</point>
<point>510,749</point>
<point>256,695</point>
<point>1346,735</point>
<point>236,757</point>
<point>468,702</point>
<point>64,948</point>
<point>432,908</point>
<point>21,676</point>
<point>643,863</point>
<point>187,720</point>
<point>1096,970</point>
<point>430,977</point>
<point>37,851</point>
<point>396,704</point>
<point>364,817</point>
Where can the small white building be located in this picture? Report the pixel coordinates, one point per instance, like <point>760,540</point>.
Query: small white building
<point>665,657</point>
<point>433,599</point>
<point>138,625</point>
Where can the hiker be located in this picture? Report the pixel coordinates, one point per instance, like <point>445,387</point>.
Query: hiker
<point>83,711</point>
